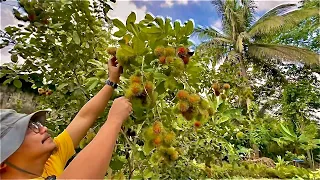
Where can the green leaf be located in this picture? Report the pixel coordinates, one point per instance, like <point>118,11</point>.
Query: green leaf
<point>177,27</point>
<point>14,58</point>
<point>131,18</point>
<point>119,33</point>
<point>147,173</point>
<point>116,164</point>
<point>75,37</point>
<point>286,131</point>
<point>94,84</point>
<point>95,63</point>
<point>7,81</point>
<point>160,22</point>
<point>152,30</point>
<point>128,51</point>
<point>17,83</point>
<point>138,46</point>
<point>189,28</point>
<point>61,86</point>
<point>118,24</point>
<point>2,74</point>
<point>56,26</point>
<point>148,17</point>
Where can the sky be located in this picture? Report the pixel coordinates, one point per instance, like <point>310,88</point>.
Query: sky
<point>202,12</point>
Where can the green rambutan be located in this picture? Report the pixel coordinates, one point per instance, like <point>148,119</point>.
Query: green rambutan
<point>174,156</point>
<point>204,104</point>
<point>159,51</point>
<point>169,138</point>
<point>112,51</point>
<point>178,63</point>
<point>169,59</point>
<point>169,51</point>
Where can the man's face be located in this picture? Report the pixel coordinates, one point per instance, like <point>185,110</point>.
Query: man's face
<point>37,142</point>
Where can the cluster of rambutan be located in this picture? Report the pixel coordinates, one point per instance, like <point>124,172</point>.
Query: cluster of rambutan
<point>120,55</point>
<point>141,91</point>
<point>169,55</point>
<point>193,106</point>
<point>44,92</point>
<point>221,90</point>
<point>157,136</point>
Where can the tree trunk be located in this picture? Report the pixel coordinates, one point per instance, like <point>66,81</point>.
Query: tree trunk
<point>242,67</point>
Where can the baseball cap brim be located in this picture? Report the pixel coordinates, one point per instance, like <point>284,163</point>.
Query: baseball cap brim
<point>15,136</point>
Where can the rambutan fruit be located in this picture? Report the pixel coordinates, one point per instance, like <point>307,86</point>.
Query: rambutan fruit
<point>210,111</point>
<point>183,106</point>
<point>204,104</point>
<point>182,51</point>
<point>197,124</point>
<point>159,51</point>
<point>182,94</point>
<point>169,138</point>
<point>240,135</point>
<point>215,86</point>
<point>226,86</point>
<point>41,91</point>
<point>157,127</point>
<point>174,156</point>
<point>193,99</point>
<point>162,60</point>
<point>223,96</point>
<point>129,94</point>
<point>136,89</point>
<point>169,51</point>
<point>149,87</point>
<point>178,64</point>
<point>217,93</point>
<point>186,59</point>
<point>112,51</point>
<point>188,115</point>
<point>170,150</point>
<point>169,59</point>
<point>157,141</point>
<point>148,133</point>
<point>135,79</point>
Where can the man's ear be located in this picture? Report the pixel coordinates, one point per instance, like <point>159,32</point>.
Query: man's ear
<point>3,167</point>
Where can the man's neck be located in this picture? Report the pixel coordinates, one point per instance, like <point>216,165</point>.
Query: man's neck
<point>35,167</point>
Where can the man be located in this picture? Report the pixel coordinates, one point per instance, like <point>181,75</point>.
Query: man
<point>28,151</point>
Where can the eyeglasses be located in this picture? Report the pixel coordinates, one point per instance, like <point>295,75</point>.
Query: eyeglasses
<point>35,126</point>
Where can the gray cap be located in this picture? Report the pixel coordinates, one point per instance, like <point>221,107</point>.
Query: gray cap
<point>13,127</point>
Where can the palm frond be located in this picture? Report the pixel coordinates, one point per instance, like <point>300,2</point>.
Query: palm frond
<point>207,33</point>
<point>278,10</point>
<point>219,5</point>
<point>273,24</point>
<point>283,52</point>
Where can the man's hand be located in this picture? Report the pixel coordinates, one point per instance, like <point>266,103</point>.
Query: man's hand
<point>120,110</point>
<point>114,70</point>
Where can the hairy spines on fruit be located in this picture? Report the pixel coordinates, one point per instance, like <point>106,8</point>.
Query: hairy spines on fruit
<point>169,51</point>
<point>159,51</point>
<point>186,59</point>
<point>112,51</point>
<point>215,86</point>
<point>174,156</point>
<point>204,104</point>
<point>162,60</point>
<point>183,106</point>
<point>149,87</point>
<point>157,127</point>
<point>178,63</point>
<point>182,95</point>
<point>157,140</point>
<point>193,99</point>
<point>197,124</point>
<point>182,51</point>
<point>135,79</point>
<point>169,138</point>
<point>169,59</point>
<point>226,86</point>
<point>136,89</point>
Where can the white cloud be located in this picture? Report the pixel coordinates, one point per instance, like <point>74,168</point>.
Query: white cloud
<point>170,3</point>
<point>122,9</point>
<point>266,5</point>
<point>217,24</point>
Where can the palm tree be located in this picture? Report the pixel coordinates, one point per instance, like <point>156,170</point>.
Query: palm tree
<point>242,37</point>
